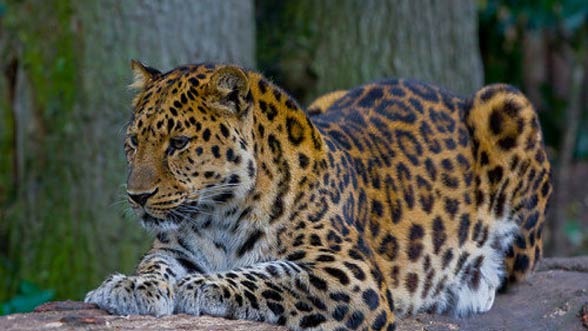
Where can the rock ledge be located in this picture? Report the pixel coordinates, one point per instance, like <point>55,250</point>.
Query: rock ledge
<point>555,297</point>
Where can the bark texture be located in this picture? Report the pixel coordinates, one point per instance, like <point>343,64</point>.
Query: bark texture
<point>329,45</point>
<point>553,298</point>
<point>66,71</point>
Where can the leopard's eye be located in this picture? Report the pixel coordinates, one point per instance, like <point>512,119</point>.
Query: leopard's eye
<point>133,141</point>
<point>179,142</point>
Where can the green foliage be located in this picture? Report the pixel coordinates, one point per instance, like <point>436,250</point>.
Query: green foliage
<point>553,120</point>
<point>286,45</point>
<point>277,22</point>
<point>503,22</point>
<point>582,145</point>
<point>566,16</point>
<point>574,232</point>
<point>29,296</point>
<point>503,25</point>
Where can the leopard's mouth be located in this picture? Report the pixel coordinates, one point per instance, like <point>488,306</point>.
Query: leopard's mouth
<point>172,217</point>
<point>186,211</point>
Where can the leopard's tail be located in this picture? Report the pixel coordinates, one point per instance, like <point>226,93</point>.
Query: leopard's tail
<point>512,173</point>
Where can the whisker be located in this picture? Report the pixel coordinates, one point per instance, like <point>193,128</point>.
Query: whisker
<point>175,216</point>
<point>193,210</point>
<point>209,191</point>
<point>122,129</point>
<point>224,185</point>
<point>118,202</point>
<point>127,212</point>
<point>212,189</point>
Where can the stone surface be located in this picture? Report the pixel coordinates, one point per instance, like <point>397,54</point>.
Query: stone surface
<point>552,298</point>
<point>555,297</point>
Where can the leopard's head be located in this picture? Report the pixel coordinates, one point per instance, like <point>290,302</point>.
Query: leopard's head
<point>188,144</point>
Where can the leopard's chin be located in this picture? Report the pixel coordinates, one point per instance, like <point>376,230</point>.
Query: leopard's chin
<point>152,223</point>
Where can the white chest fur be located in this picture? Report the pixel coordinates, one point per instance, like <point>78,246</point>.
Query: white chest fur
<point>220,242</point>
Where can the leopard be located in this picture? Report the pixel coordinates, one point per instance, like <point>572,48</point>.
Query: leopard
<point>382,201</point>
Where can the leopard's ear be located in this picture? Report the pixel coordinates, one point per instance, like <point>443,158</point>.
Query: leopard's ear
<point>143,74</point>
<point>229,86</point>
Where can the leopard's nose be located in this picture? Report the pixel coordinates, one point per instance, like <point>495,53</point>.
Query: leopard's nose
<point>141,198</point>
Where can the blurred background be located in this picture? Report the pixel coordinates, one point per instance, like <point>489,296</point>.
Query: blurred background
<point>64,102</point>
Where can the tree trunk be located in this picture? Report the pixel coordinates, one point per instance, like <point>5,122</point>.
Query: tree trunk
<point>317,46</point>
<point>559,245</point>
<point>64,106</point>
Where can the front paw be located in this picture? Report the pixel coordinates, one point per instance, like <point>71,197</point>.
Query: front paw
<point>197,295</point>
<point>124,295</point>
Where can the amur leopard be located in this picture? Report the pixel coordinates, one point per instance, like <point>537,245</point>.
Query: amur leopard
<point>389,199</point>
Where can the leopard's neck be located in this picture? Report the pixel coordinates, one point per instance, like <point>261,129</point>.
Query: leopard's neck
<point>289,150</point>
<point>290,156</point>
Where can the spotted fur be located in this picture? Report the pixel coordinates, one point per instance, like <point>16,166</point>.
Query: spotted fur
<point>393,198</point>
